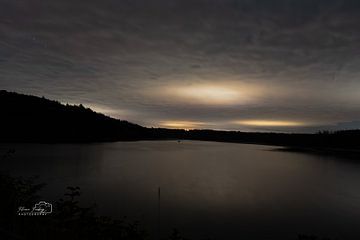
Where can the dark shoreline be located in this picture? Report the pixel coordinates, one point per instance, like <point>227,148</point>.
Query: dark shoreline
<point>31,119</point>
<point>337,152</point>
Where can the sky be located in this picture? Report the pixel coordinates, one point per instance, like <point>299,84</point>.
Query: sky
<point>250,65</point>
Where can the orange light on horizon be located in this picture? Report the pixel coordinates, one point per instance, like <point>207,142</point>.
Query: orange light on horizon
<point>270,123</point>
<point>181,124</point>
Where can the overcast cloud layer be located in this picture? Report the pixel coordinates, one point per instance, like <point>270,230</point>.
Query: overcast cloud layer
<point>145,61</point>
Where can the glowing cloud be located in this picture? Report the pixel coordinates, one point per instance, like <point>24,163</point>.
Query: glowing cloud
<point>212,94</point>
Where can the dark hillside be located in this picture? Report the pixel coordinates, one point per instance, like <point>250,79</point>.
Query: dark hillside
<point>28,118</point>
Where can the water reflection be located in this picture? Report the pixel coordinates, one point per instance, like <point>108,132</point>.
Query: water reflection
<point>220,190</point>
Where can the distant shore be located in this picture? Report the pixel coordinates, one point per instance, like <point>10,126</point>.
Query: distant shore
<point>348,153</point>
<point>31,119</point>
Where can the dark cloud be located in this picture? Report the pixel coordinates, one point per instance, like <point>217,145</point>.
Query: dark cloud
<point>116,55</point>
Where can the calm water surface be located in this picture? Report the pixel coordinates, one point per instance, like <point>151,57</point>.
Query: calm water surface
<point>208,189</point>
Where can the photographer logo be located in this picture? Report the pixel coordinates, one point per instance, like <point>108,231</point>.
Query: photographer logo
<point>41,208</point>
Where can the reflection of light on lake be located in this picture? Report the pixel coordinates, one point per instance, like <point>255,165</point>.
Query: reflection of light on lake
<point>203,185</point>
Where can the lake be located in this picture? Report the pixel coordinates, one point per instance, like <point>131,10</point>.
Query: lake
<point>208,189</point>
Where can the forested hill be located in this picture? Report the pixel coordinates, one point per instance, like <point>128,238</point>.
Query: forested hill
<point>27,118</point>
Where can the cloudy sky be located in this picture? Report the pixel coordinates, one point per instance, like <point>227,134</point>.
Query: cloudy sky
<point>265,65</point>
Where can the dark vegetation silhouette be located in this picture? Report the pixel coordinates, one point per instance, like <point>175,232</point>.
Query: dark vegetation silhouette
<point>33,119</point>
<point>69,219</point>
<point>27,118</point>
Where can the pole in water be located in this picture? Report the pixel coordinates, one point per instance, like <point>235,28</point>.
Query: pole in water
<point>159,213</point>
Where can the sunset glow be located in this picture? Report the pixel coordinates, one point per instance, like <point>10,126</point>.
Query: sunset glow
<point>270,123</point>
<point>180,119</point>
<point>214,62</point>
<point>181,124</point>
<point>213,94</point>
